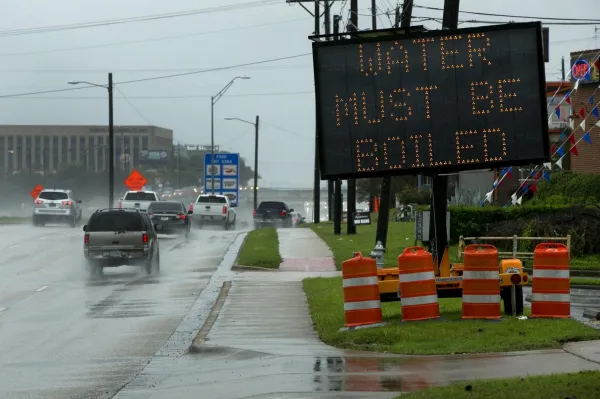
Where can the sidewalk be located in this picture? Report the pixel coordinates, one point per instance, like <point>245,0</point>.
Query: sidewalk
<point>262,344</point>
<point>301,249</point>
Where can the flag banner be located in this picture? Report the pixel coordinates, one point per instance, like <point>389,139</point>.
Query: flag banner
<point>547,176</point>
<point>586,137</point>
<point>574,151</point>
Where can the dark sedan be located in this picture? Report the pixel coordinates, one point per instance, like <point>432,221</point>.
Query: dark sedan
<point>172,215</point>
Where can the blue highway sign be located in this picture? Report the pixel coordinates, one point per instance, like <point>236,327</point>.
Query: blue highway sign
<point>224,174</point>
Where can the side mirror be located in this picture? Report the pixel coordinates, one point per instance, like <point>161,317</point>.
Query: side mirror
<point>158,227</point>
<point>79,201</point>
<point>190,212</point>
<point>85,227</point>
<point>291,209</point>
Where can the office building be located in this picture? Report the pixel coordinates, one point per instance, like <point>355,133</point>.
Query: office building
<point>44,149</point>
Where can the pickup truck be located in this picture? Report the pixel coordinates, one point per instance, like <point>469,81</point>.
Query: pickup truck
<point>273,213</point>
<point>138,200</point>
<point>213,209</point>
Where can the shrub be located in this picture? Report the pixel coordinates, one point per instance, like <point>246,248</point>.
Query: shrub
<point>583,224</point>
<point>570,187</point>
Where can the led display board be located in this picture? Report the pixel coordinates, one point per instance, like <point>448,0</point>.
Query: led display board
<point>433,101</point>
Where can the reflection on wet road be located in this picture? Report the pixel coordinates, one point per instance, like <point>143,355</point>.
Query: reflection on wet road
<point>65,336</point>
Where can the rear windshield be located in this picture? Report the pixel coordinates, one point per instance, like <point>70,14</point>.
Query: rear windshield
<point>53,195</point>
<point>271,205</point>
<point>115,221</point>
<point>212,199</point>
<point>166,206</point>
<point>140,196</point>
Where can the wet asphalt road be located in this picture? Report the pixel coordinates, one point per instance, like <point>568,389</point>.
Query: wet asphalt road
<point>65,336</point>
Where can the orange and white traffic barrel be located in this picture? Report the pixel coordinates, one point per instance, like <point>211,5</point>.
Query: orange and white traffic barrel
<point>362,304</point>
<point>551,286</point>
<point>418,293</point>
<point>481,283</point>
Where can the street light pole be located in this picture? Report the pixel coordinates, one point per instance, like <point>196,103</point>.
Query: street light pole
<point>111,136</point>
<point>111,144</point>
<point>256,164</point>
<point>213,101</point>
<point>255,155</point>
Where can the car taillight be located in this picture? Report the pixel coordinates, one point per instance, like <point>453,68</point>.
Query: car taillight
<point>254,212</point>
<point>145,238</point>
<point>515,279</point>
<point>38,202</point>
<point>86,238</point>
<point>282,213</point>
<point>149,213</point>
<point>67,202</point>
<point>119,204</point>
<point>224,210</point>
<point>191,208</point>
<point>182,216</point>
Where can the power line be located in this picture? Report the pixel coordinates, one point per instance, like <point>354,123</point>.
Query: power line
<point>160,77</point>
<point>93,24</point>
<point>143,70</point>
<point>191,96</point>
<point>285,130</point>
<point>133,106</point>
<point>476,21</point>
<point>237,28</point>
<point>514,16</point>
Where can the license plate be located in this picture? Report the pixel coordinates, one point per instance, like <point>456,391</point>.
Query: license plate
<point>52,205</point>
<point>113,254</point>
<point>164,218</point>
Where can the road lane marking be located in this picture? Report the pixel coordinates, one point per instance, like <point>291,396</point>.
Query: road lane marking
<point>14,246</point>
<point>2,309</point>
<point>42,288</point>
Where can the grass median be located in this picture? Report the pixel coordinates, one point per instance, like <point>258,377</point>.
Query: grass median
<point>260,249</point>
<point>450,335</point>
<point>581,385</point>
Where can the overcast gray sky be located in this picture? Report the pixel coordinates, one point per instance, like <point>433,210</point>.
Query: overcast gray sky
<point>280,92</point>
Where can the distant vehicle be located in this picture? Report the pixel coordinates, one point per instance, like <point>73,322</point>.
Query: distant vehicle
<point>117,237</point>
<point>166,193</point>
<point>297,218</point>
<point>177,193</point>
<point>214,209</point>
<point>138,199</point>
<point>172,215</point>
<point>273,213</point>
<point>56,205</point>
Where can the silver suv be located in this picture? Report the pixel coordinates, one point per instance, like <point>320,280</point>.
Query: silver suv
<point>56,205</point>
<point>117,237</point>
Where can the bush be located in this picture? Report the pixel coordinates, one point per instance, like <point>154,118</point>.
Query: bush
<point>569,187</point>
<point>412,195</point>
<point>529,221</point>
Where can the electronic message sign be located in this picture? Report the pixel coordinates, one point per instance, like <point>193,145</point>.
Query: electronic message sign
<point>432,101</point>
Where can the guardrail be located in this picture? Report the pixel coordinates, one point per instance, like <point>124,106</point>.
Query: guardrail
<point>514,254</point>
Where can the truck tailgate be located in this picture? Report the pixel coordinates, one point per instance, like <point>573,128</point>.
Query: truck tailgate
<point>119,241</point>
<point>143,205</point>
<point>208,209</point>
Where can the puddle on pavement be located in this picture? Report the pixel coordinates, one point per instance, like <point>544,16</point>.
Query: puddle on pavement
<point>227,352</point>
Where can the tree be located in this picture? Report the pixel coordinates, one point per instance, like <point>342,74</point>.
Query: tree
<point>365,188</point>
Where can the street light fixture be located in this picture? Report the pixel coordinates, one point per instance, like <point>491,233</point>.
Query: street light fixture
<point>255,155</point>
<point>111,136</point>
<point>213,101</point>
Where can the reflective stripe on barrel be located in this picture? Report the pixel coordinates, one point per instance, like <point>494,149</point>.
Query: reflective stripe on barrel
<point>551,285</point>
<point>362,303</point>
<point>481,289</point>
<point>418,293</point>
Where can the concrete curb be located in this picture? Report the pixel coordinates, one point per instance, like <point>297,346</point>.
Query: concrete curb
<point>591,313</point>
<point>587,287</point>
<point>210,320</point>
<point>572,273</point>
<point>242,268</point>
<point>362,327</point>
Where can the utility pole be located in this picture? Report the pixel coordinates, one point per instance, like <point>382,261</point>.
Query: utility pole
<point>317,171</point>
<point>351,197</point>
<point>438,238</point>
<point>373,14</point>
<point>562,69</point>
<point>111,144</point>
<point>256,164</point>
<point>337,208</point>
